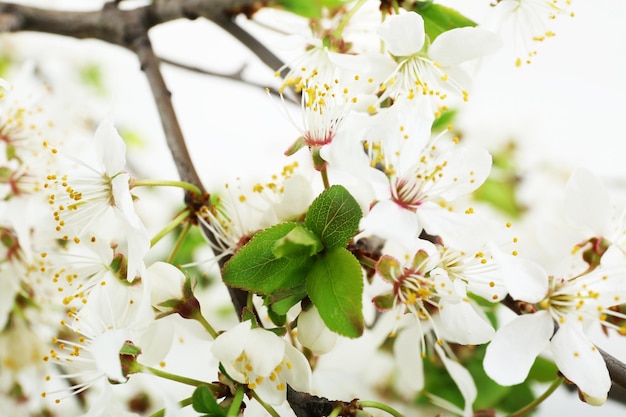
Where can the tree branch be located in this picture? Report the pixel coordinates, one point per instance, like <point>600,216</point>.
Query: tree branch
<point>176,142</point>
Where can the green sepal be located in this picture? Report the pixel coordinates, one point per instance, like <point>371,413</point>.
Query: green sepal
<point>384,302</point>
<point>255,268</point>
<point>10,151</point>
<point>335,286</point>
<point>298,242</point>
<point>203,401</point>
<point>295,146</point>
<point>439,19</point>
<point>334,216</point>
<point>388,267</point>
<point>130,349</point>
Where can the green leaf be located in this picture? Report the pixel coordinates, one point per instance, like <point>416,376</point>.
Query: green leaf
<point>439,19</point>
<point>277,319</point>
<point>282,300</point>
<point>334,216</point>
<point>255,268</point>
<point>335,286</point>
<point>204,402</point>
<point>300,241</point>
<point>310,8</point>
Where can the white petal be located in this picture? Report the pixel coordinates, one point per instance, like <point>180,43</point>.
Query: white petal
<point>463,44</point>
<point>389,221</point>
<point>313,333</point>
<point>267,391</point>
<point>525,280</point>
<point>587,203</point>
<point>460,323</point>
<point>138,239</point>
<point>106,351</point>
<point>229,345</point>
<point>467,168</point>
<point>166,282</point>
<point>581,362</point>
<point>515,346</point>
<point>406,349</point>
<point>297,371</point>
<point>403,34</point>
<point>265,351</point>
<point>462,378</point>
<point>110,145</point>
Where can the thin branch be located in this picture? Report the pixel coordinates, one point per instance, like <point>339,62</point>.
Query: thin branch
<point>265,55</point>
<point>234,76</point>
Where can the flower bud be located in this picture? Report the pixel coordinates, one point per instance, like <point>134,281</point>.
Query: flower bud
<point>313,333</point>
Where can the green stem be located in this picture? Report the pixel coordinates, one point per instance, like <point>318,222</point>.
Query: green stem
<point>169,227</point>
<point>179,243</point>
<point>173,377</point>
<point>233,411</point>
<point>335,412</point>
<point>380,406</point>
<point>270,410</point>
<point>324,173</point>
<point>200,319</point>
<point>338,32</point>
<point>166,183</point>
<point>181,403</point>
<point>530,407</point>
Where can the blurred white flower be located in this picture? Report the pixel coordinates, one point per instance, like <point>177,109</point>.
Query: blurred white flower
<point>526,23</point>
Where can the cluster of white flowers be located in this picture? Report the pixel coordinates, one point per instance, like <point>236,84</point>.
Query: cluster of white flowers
<point>84,304</point>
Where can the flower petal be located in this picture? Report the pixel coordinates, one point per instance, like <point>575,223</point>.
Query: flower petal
<point>297,372</point>
<point>105,349</point>
<point>462,378</point>
<point>403,34</point>
<point>587,203</point>
<point>111,146</point>
<point>525,280</point>
<point>581,362</point>
<point>406,349</point>
<point>515,346</point>
<point>463,44</point>
<point>229,345</point>
<point>460,323</point>
<point>265,351</point>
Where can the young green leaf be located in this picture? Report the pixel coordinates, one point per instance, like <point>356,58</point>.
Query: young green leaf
<point>298,242</point>
<point>282,300</point>
<point>204,402</point>
<point>255,268</point>
<point>334,216</point>
<point>335,286</point>
<point>309,8</point>
<point>439,19</point>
